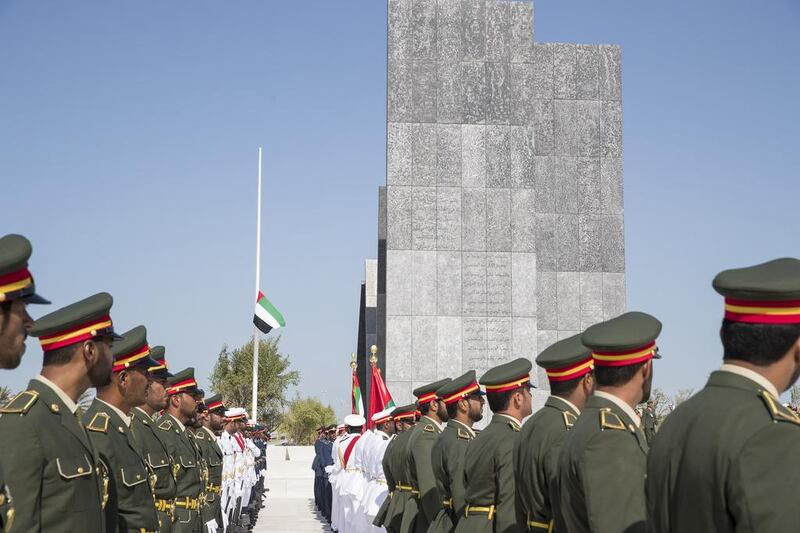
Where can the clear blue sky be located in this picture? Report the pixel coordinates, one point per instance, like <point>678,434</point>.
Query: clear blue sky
<point>128,135</point>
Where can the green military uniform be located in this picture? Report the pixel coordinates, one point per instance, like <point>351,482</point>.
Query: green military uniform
<point>425,501</point>
<point>16,283</point>
<point>447,455</point>
<point>391,485</point>
<point>212,455</point>
<point>50,465</point>
<point>488,462</point>
<point>159,462</point>
<point>649,424</point>
<point>723,460</point>
<point>398,473</point>
<point>185,461</point>
<point>602,462</point>
<point>536,453</point>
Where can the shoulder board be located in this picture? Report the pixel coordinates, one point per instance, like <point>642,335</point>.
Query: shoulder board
<point>99,423</point>
<point>778,412</point>
<point>610,420</point>
<point>513,426</point>
<point>199,434</point>
<point>166,425</point>
<point>429,428</point>
<point>569,418</point>
<point>463,434</point>
<point>21,403</point>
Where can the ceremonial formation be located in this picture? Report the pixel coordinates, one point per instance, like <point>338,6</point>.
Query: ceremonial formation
<point>150,454</point>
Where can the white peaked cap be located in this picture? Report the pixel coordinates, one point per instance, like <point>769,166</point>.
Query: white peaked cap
<point>354,420</point>
<point>382,414</point>
<point>235,412</point>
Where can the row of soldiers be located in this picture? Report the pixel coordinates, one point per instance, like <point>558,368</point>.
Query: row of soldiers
<point>144,457</point>
<point>721,461</point>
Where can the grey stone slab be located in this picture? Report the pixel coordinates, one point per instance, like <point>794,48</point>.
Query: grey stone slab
<point>473,219</point>
<point>546,242</point>
<point>425,89</point>
<point>449,347</point>
<point>613,294</point>
<point>545,338</point>
<point>497,31</point>
<point>523,290</point>
<point>565,71</point>
<point>424,344</point>
<point>399,283</point>
<point>587,76</point>
<point>521,32</point>
<point>498,340</point>
<point>497,156</point>
<point>399,150</point>
<point>589,193</point>
<point>450,106</point>
<point>567,334</point>
<point>423,227</point>
<point>399,29</point>
<point>591,298</point>
<point>401,390</point>
<point>474,95</point>
<point>613,244</point>
<point>371,285</point>
<point>399,91</point>
<point>448,28</point>
<point>398,347</point>
<point>423,276</point>
<point>382,213</point>
<point>524,336</point>
<point>521,161</point>
<point>423,162</point>
<point>611,129</point>
<point>590,229</point>
<point>546,300</point>
<point>587,117</point>
<point>498,220</point>
<point>448,159</point>
<point>473,283</point>
<point>473,344</point>
<point>544,127</point>
<point>523,220</point>
<point>473,156</point>
<point>609,70</point>
<point>611,186</point>
<point>498,284</point>
<point>565,127</point>
<point>473,30</point>
<point>566,179</point>
<point>448,218</point>
<point>543,76</point>
<point>569,301</point>
<point>567,237</point>
<point>423,29</point>
<point>544,169</point>
<point>498,93</point>
<point>521,86</point>
<point>448,282</point>
<point>398,218</point>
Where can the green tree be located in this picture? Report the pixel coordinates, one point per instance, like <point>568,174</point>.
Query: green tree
<point>5,395</point>
<point>233,378</point>
<point>302,419</point>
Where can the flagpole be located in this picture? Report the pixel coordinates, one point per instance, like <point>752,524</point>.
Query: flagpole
<point>258,287</point>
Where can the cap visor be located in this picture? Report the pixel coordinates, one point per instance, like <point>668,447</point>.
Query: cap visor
<point>35,299</point>
<point>656,355</point>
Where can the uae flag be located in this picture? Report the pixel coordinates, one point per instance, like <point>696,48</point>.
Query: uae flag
<point>358,402</point>
<point>267,317</point>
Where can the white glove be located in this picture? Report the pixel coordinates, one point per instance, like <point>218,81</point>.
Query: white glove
<point>212,526</point>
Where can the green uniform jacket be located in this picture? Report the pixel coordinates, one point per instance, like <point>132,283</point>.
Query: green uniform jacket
<point>185,467</point>
<point>50,466</point>
<point>649,424</point>
<point>380,517</point>
<point>447,457</point>
<point>723,461</point>
<point>212,456</point>
<point>489,478</point>
<point>427,501</point>
<point>536,464</point>
<point>601,472</point>
<point>154,452</point>
<point>398,468</point>
<point>130,501</point>
<point>6,507</point>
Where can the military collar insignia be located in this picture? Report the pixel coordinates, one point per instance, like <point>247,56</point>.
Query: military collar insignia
<point>611,420</point>
<point>429,428</point>
<point>462,434</point>
<point>778,412</point>
<point>99,423</point>
<point>569,418</point>
<point>166,425</point>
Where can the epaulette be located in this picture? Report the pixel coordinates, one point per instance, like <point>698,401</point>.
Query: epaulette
<point>429,428</point>
<point>569,418</point>
<point>166,425</point>
<point>199,434</point>
<point>610,420</point>
<point>99,423</point>
<point>513,426</point>
<point>778,412</point>
<point>463,434</point>
<point>21,403</point>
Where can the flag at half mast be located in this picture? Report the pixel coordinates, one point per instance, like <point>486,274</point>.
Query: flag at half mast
<point>267,317</point>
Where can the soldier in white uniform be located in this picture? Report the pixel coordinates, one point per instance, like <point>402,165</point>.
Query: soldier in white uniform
<point>232,465</point>
<point>337,472</point>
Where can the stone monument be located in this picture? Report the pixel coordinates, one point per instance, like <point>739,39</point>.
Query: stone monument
<point>501,223</point>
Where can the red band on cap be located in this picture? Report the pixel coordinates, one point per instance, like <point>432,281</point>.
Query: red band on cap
<point>86,331</point>
<point>573,371</point>
<point>469,389</point>
<point>511,385</point>
<point>762,312</point>
<point>625,358</point>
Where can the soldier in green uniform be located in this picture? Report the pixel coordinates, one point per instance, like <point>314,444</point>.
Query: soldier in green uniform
<point>130,501</point>
<point>149,444</point>
<point>601,469</point>
<point>171,427</point>
<point>206,440</point>
<point>17,290</point>
<point>425,501</point>
<point>568,364</point>
<point>723,460</point>
<point>49,462</point>
<point>463,399</point>
<point>395,469</point>
<point>488,464</point>
<point>649,422</point>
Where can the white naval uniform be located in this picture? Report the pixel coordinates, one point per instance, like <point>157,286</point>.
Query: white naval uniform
<point>377,491</point>
<point>339,478</point>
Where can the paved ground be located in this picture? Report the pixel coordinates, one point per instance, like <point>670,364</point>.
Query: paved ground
<point>290,500</point>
